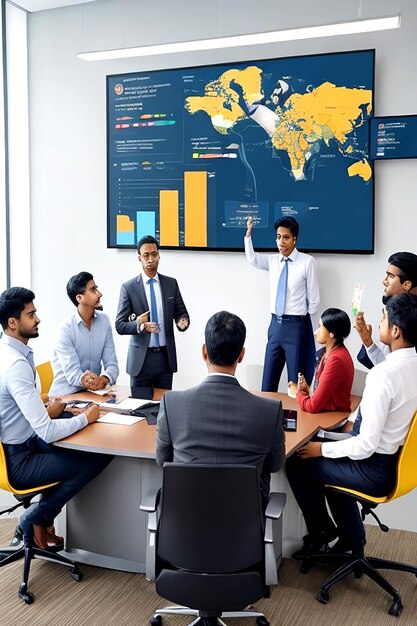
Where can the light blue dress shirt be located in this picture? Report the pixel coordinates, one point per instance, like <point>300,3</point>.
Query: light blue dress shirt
<point>22,413</point>
<point>78,349</point>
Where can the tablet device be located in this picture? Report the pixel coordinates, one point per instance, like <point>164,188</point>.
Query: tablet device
<point>144,393</point>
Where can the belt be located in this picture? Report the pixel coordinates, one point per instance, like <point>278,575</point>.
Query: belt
<point>287,318</point>
<point>157,349</point>
<point>20,447</point>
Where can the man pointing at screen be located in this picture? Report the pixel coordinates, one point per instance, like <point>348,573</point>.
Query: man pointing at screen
<point>294,296</point>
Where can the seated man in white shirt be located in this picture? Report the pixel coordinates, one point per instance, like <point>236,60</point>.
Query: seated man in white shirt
<point>366,461</point>
<point>84,353</point>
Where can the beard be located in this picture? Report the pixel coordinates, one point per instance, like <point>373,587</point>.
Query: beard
<point>29,334</point>
<point>386,299</point>
<point>99,307</point>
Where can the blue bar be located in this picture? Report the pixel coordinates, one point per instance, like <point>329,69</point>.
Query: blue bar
<point>145,224</point>
<point>125,239</point>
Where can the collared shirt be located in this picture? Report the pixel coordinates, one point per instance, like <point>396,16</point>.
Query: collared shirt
<point>78,349</point>
<point>22,412</point>
<point>159,306</point>
<point>388,404</point>
<point>377,352</point>
<point>303,294</point>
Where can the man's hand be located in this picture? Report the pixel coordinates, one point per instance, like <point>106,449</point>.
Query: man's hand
<point>152,327</point>
<point>55,407</point>
<point>97,383</point>
<point>249,226</point>
<point>92,413</point>
<point>182,323</point>
<point>310,450</point>
<point>87,378</point>
<point>292,387</point>
<point>142,319</point>
<point>364,329</point>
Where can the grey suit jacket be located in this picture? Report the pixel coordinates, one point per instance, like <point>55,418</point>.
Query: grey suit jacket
<point>220,422</point>
<point>133,300</point>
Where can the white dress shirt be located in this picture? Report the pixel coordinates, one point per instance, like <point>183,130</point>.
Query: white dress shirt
<point>159,306</point>
<point>302,294</point>
<point>22,412</point>
<point>388,404</point>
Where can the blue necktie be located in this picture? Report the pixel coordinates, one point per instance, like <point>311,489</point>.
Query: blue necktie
<point>282,290</point>
<point>357,423</point>
<point>154,310</point>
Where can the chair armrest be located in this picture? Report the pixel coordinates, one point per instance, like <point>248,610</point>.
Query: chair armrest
<point>276,505</point>
<point>150,501</point>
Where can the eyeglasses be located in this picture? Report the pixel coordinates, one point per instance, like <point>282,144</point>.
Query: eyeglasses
<point>147,255</point>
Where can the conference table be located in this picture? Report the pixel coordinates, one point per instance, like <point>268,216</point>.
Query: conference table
<point>103,524</point>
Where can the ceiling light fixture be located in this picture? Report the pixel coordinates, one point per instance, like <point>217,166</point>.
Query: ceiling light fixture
<point>310,32</point>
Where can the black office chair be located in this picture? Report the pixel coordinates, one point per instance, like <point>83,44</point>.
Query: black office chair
<point>214,551</point>
<point>10,555</point>
<point>357,563</point>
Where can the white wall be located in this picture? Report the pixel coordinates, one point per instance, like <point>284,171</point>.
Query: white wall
<point>68,157</point>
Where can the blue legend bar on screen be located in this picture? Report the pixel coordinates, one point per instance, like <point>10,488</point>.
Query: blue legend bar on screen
<point>145,224</point>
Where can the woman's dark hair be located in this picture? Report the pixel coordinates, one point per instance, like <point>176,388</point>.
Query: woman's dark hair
<point>337,322</point>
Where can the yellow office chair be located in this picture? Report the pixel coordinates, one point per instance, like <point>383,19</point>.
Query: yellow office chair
<point>357,563</point>
<point>46,376</point>
<point>8,555</point>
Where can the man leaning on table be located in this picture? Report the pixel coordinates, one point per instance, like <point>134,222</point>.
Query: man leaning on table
<point>26,429</point>
<point>84,352</point>
<point>218,421</point>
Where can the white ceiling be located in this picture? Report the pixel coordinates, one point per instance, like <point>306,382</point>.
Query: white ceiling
<point>41,5</point>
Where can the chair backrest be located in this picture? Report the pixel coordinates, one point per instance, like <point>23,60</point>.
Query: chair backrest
<point>211,519</point>
<point>46,376</point>
<point>407,467</point>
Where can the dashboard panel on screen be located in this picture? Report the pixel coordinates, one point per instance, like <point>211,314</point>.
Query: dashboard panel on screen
<point>393,137</point>
<point>192,152</point>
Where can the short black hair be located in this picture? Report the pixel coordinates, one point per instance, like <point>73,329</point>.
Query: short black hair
<point>407,264</point>
<point>77,284</point>
<point>402,311</point>
<point>288,222</point>
<point>224,336</point>
<point>13,302</point>
<point>147,239</point>
<point>337,322</point>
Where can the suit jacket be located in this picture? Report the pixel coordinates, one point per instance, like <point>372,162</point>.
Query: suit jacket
<point>220,422</point>
<point>133,300</point>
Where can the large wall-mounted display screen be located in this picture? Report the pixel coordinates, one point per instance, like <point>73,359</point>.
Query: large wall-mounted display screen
<point>192,152</point>
<point>393,137</point>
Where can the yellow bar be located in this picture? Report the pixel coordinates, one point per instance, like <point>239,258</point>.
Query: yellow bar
<point>169,226</point>
<point>124,224</point>
<point>195,209</point>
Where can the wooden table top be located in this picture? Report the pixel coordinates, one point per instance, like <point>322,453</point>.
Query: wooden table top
<point>138,440</point>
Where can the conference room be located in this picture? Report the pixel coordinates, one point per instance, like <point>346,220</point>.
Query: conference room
<point>54,218</point>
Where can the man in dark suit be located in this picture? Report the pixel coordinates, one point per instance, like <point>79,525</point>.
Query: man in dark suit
<point>148,306</point>
<point>218,421</point>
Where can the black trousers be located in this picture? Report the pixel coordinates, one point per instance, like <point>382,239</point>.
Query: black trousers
<point>374,476</point>
<point>155,371</point>
<point>37,463</point>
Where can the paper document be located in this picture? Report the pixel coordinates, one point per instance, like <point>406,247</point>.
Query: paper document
<point>126,405</point>
<point>331,435</point>
<point>119,418</point>
<point>357,298</point>
<point>291,394</point>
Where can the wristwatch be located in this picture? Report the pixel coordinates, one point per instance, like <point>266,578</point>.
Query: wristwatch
<point>141,327</point>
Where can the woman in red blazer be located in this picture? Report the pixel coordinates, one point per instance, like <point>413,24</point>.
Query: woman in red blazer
<point>333,376</point>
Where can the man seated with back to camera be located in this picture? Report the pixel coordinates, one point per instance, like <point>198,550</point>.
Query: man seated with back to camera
<point>218,421</point>
<point>366,461</point>
<point>26,430</point>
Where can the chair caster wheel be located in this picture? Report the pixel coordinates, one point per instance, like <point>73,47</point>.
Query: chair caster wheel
<point>26,595</point>
<point>395,609</point>
<point>262,621</point>
<point>156,620</point>
<point>305,568</point>
<point>267,592</point>
<point>76,575</point>
<point>323,597</point>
